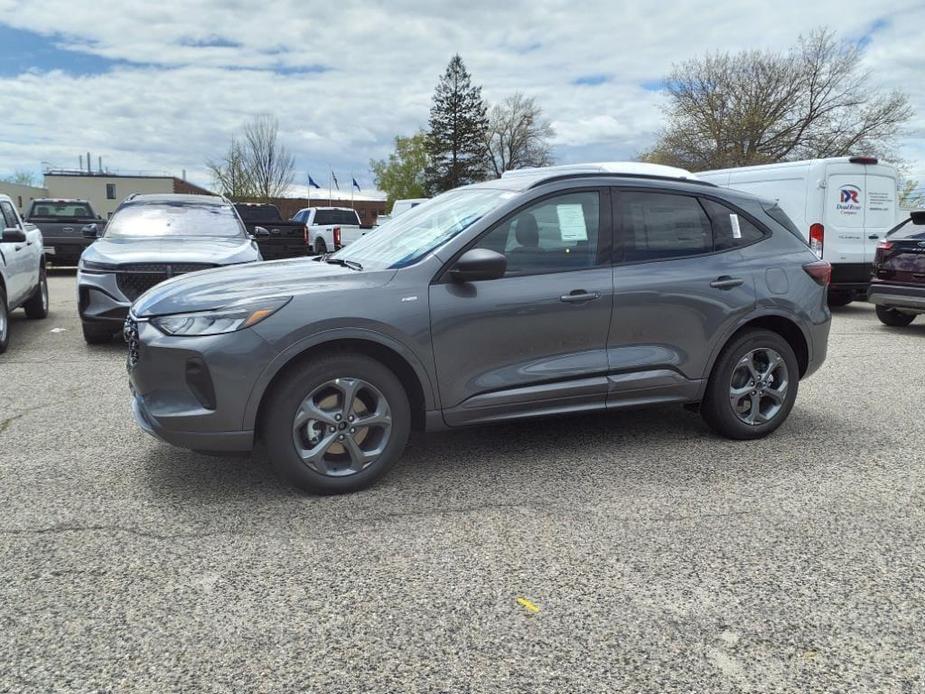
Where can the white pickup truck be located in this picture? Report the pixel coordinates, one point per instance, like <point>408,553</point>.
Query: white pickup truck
<point>329,228</point>
<point>22,269</point>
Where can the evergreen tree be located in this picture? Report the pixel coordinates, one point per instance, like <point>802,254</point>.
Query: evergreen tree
<point>458,131</point>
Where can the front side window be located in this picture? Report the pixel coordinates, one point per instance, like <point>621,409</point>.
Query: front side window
<point>558,234</point>
<point>9,216</point>
<point>662,225</point>
<point>170,219</point>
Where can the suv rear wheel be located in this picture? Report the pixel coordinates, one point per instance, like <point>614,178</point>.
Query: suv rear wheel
<point>894,318</point>
<point>337,425</point>
<point>753,386</point>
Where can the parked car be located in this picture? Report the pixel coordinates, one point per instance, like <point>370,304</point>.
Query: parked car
<point>61,222</point>
<point>329,228</point>
<point>560,292</point>
<point>22,269</point>
<point>898,284</point>
<point>275,237</point>
<point>399,207</point>
<point>843,206</point>
<point>150,239</point>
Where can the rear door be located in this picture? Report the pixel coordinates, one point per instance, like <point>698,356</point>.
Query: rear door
<point>880,207</point>
<point>845,195</point>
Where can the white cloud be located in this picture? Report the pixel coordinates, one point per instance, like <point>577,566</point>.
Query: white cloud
<point>208,66</point>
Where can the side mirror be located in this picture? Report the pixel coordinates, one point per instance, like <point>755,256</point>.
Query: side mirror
<point>90,231</point>
<point>918,217</point>
<point>261,232</point>
<point>13,235</point>
<point>478,264</point>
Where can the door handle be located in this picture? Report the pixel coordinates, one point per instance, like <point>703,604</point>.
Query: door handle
<point>727,282</point>
<point>579,296</point>
<point>873,237</point>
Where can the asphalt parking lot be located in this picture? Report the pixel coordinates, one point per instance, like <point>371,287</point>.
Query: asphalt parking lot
<point>659,557</point>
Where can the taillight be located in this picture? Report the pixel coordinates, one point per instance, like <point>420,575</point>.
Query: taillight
<point>820,271</point>
<point>336,237</point>
<point>305,234</point>
<point>885,246</point>
<point>816,238</point>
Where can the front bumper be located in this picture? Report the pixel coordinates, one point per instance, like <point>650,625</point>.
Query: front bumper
<point>192,391</point>
<point>99,298</point>
<point>906,298</point>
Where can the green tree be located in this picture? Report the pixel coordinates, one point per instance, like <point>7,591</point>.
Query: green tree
<point>458,131</point>
<point>757,107</point>
<point>402,174</point>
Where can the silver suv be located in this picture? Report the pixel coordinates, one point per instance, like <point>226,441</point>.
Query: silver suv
<point>547,292</point>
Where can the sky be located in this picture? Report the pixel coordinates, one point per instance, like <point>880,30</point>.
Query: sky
<point>162,86</point>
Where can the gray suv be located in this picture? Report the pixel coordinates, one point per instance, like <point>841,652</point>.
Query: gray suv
<point>547,292</point>
<point>151,238</point>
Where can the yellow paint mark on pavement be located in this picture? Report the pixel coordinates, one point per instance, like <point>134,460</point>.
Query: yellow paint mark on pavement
<point>527,605</point>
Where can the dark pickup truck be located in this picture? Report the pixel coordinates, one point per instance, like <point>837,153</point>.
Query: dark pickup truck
<point>61,222</point>
<point>283,240</point>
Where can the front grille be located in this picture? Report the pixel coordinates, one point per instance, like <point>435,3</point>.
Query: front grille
<point>134,279</point>
<point>130,333</point>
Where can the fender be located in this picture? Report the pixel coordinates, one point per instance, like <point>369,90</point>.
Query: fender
<point>761,312</point>
<point>332,335</point>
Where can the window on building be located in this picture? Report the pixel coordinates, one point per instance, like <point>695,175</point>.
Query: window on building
<point>110,191</point>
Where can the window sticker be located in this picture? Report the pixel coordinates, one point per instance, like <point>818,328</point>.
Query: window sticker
<point>734,221</point>
<point>572,222</point>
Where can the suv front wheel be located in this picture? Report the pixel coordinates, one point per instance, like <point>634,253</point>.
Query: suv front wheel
<point>337,425</point>
<point>753,386</point>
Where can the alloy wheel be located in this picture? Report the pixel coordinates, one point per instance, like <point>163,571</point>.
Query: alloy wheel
<point>758,387</point>
<point>342,427</point>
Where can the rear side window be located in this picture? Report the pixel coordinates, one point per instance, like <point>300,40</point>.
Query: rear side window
<point>730,229</point>
<point>661,225</point>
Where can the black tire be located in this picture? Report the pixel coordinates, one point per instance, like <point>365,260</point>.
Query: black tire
<point>276,429</point>
<point>97,333</point>
<point>37,305</point>
<point>717,408</point>
<point>894,318</point>
<point>320,247</point>
<point>838,299</point>
<point>4,322</point>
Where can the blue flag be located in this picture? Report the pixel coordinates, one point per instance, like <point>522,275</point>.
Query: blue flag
<point>355,184</point>
<point>311,182</point>
<point>336,184</point>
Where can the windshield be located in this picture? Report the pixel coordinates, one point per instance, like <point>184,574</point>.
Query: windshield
<point>174,219</point>
<point>64,210</point>
<point>419,231</point>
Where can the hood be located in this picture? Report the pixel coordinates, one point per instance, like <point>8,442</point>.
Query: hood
<point>210,289</point>
<point>177,249</point>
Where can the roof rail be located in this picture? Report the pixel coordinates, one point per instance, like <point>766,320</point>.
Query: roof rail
<point>630,169</point>
<point>599,174</point>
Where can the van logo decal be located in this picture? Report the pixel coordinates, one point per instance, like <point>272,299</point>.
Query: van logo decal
<point>849,195</point>
<point>848,200</point>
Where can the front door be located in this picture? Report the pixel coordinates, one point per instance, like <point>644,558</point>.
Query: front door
<point>18,258</point>
<point>533,341</point>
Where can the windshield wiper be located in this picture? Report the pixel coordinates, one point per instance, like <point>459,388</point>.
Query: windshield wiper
<point>352,264</point>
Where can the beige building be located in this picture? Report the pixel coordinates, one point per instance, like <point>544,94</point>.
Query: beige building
<point>22,195</point>
<point>105,191</point>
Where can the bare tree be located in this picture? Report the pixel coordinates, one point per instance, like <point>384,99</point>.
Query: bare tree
<point>230,174</point>
<point>518,135</point>
<point>270,165</point>
<point>20,177</point>
<point>256,165</point>
<point>756,107</point>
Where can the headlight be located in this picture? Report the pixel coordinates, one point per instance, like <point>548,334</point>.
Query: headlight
<point>91,266</point>
<point>218,321</point>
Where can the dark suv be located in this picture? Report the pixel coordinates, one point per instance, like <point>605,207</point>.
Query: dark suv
<point>898,285</point>
<point>547,292</point>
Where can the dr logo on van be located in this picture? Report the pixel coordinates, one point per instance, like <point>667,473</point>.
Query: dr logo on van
<point>849,203</point>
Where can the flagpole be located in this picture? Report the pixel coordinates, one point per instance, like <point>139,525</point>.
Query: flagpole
<point>308,188</point>
<point>352,179</point>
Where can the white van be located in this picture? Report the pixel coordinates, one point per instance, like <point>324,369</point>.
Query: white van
<point>843,206</point>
